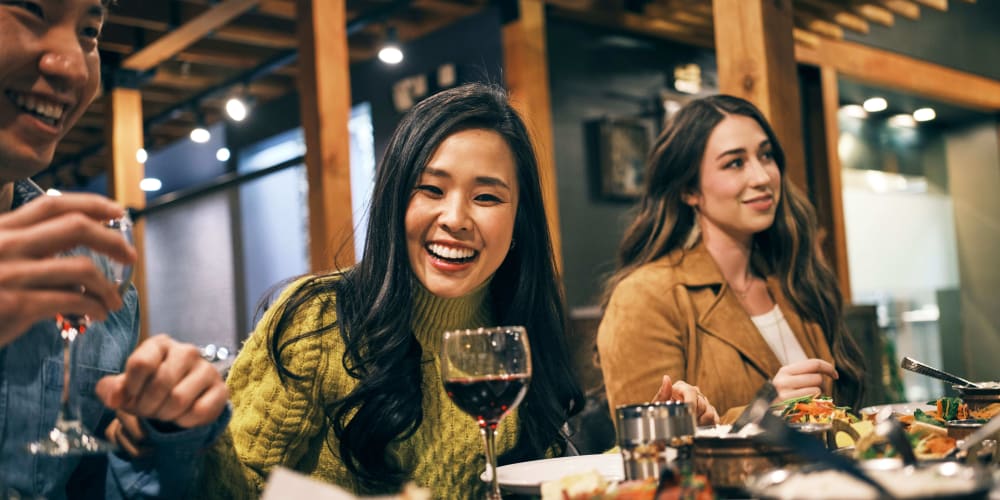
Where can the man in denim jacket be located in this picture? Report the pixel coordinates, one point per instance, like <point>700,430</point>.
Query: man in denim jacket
<point>161,401</point>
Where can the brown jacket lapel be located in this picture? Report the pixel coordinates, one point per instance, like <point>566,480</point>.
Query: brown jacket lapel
<point>720,313</point>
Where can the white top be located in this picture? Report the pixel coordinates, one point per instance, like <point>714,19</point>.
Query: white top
<point>774,328</point>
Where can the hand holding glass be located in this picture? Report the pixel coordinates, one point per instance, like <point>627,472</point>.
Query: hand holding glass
<point>486,373</point>
<point>69,437</point>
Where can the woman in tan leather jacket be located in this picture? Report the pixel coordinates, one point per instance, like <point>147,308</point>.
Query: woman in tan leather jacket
<point>719,280</point>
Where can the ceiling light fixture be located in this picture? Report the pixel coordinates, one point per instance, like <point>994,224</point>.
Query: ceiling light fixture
<point>236,108</point>
<point>924,114</point>
<point>141,155</point>
<point>391,53</point>
<point>854,111</point>
<point>150,184</point>
<point>222,154</point>
<point>199,133</point>
<point>902,120</point>
<point>875,104</point>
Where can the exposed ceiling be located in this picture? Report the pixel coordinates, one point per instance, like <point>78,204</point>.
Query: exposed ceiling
<point>206,50</point>
<point>202,51</point>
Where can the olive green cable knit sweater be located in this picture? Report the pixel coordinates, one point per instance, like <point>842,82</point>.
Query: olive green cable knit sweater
<point>279,422</point>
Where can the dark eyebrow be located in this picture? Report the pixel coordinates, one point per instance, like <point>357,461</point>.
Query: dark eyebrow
<point>492,181</point>
<point>739,151</point>
<point>483,180</point>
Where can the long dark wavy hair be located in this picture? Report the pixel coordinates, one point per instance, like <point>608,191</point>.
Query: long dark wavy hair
<point>788,249</point>
<point>373,299</point>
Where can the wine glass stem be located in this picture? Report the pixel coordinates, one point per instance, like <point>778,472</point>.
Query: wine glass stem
<point>489,433</point>
<point>67,412</point>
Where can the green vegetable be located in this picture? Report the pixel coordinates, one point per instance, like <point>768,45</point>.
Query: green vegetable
<point>920,416</point>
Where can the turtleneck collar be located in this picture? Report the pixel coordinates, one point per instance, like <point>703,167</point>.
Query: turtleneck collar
<point>433,315</point>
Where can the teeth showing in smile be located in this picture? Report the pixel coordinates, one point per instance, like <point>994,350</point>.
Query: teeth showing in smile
<point>451,254</point>
<point>46,111</point>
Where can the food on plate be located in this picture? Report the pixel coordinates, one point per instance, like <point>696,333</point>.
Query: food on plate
<point>814,410</point>
<point>592,486</point>
<point>928,442</point>
<point>947,409</point>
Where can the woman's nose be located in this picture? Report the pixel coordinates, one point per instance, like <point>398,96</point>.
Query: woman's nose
<point>455,216</point>
<point>758,173</point>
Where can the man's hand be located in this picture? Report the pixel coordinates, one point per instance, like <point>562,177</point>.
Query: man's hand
<point>126,432</point>
<point>167,381</point>
<point>35,283</point>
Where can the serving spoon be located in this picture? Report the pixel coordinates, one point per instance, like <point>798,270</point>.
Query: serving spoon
<point>757,408</point>
<point>915,366</point>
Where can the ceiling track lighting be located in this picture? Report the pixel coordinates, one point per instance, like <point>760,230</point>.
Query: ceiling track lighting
<point>200,133</point>
<point>391,52</point>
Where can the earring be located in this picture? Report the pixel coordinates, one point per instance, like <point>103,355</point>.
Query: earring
<point>513,243</point>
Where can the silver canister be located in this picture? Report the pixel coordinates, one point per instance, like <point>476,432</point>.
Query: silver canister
<point>647,431</point>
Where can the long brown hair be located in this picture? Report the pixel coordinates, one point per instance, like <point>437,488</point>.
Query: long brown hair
<point>787,249</point>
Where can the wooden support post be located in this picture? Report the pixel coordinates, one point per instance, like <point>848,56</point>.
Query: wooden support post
<point>526,71</point>
<point>820,96</point>
<point>125,137</point>
<point>325,101</point>
<point>755,54</point>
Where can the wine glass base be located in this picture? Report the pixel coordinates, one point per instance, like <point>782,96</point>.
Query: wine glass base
<point>70,441</point>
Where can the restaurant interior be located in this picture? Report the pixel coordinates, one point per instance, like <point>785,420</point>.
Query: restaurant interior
<point>245,134</point>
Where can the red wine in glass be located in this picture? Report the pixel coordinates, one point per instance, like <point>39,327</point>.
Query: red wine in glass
<point>485,372</point>
<point>487,398</point>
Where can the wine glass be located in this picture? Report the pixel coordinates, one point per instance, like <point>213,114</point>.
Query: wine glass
<point>69,437</point>
<point>486,373</point>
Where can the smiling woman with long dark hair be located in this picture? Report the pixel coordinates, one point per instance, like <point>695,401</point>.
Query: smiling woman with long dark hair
<point>341,378</point>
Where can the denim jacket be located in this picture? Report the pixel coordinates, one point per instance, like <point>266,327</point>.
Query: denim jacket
<point>31,380</point>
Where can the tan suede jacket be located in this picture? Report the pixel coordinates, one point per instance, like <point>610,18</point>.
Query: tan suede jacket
<point>677,316</point>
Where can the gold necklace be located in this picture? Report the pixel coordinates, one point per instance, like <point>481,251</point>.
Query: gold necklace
<point>746,289</point>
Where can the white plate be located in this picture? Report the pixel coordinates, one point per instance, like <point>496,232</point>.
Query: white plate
<point>897,408</point>
<point>526,478</point>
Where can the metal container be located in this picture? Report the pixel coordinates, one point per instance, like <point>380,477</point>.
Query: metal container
<point>958,429</point>
<point>978,397</point>
<point>646,431</point>
<point>729,460</point>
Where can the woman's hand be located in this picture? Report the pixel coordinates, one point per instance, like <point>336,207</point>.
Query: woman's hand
<point>704,412</point>
<point>804,378</point>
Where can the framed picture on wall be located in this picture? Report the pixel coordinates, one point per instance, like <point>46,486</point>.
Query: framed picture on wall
<point>622,146</point>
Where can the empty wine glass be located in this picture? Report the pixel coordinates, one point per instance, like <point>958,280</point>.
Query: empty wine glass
<point>69,437</point>
<point>486,373</point>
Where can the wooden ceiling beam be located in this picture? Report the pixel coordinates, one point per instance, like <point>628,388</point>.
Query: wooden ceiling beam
<point>838,14</point>
<point>815,24</point>
<point>173,42</point>
<point>903,8</point>
<point>257,37</point>
<point>808,38</point>
<point>896,71</point>
<point>875,13</point>
<point>941,5</point>
<point>634,22</point>
<point>277,8</point>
